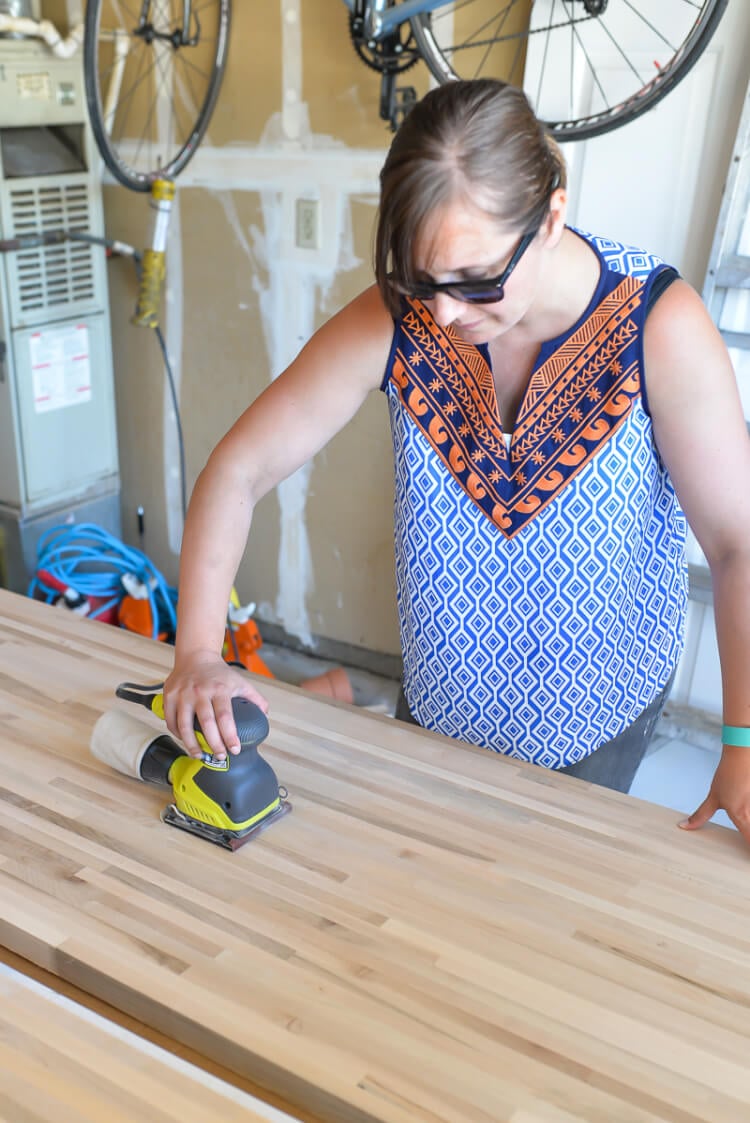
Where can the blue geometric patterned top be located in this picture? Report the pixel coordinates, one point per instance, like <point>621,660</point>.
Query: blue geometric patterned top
<point>542,589</point>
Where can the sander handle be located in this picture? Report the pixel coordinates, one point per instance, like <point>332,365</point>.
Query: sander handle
<point>251,722</point>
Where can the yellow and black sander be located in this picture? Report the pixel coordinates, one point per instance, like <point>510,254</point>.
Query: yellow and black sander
<point>225,800</point>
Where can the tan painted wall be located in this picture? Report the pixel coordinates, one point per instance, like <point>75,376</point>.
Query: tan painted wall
<point>214,285</point>
<point>241,300</point>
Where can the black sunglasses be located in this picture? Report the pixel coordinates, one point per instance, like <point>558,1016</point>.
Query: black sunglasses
<point>488,290</point>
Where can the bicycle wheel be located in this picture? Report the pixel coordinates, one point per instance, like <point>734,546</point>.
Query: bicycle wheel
<point>588,66</point>
<point>152,71</point>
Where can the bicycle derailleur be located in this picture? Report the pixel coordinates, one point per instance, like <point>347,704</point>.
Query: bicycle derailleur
<point>391,56</point>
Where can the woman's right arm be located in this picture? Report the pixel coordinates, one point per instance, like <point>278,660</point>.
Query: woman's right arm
<point>291,420</point>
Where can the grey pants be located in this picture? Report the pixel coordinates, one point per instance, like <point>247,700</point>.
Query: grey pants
<point>612,765</point>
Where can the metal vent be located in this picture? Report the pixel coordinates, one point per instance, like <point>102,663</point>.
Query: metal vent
<point>53,278</point>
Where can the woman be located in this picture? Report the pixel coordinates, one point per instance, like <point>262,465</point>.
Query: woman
<point>556,403</point>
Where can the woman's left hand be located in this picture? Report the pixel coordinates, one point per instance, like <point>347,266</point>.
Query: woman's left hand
<point>730,791</point>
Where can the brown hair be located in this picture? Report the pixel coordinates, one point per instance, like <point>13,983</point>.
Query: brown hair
<point>477,140</point>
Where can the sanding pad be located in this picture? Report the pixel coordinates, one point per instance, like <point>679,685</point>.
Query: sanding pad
<point>229,840</point>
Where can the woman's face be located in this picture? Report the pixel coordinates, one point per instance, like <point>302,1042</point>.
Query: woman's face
<point>462,243</point>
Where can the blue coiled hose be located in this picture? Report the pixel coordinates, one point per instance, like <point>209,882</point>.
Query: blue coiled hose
<point>90,560</point>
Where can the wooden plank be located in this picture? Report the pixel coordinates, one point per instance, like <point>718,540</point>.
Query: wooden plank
<point>434,934</point>
<point>59,1063</point>
<point>149,1036</point>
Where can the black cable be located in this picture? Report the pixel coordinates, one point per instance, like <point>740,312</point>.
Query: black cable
<point>178,422</point>
<point>183,473</point>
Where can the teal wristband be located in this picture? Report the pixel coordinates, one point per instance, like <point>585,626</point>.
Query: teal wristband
<point>736,735</point>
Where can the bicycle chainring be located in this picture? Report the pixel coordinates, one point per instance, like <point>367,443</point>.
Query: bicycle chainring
<point>392,55</point>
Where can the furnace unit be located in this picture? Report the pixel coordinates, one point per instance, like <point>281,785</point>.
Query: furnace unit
<point>58,441</point>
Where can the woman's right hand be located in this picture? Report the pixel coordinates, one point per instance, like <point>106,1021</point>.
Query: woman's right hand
<point>202,685</point>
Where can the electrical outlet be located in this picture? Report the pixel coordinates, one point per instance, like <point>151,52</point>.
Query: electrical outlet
<point>308,224</point>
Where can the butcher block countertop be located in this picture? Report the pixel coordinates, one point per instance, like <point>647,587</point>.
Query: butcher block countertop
<point>434,935</point>
<point>59,1063</point>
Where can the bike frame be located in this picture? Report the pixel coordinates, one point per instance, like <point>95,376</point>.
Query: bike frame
<point>187,9</point>
<point>382,18</point>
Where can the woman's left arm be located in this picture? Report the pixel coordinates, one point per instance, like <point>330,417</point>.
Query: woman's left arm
<point>702,437</point>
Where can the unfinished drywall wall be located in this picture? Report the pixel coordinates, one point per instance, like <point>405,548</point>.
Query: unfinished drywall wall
<point>297,118</point>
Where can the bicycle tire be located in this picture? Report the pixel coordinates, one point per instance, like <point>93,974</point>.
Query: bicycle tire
<point>440,57</point>
<point>134,159</point>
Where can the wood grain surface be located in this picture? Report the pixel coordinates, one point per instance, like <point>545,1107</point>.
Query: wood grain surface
<point>150,1039</point>
<point>60,1063</point>
<point>434,934</point>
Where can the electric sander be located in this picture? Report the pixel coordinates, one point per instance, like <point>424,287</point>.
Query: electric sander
<point>227,801</point>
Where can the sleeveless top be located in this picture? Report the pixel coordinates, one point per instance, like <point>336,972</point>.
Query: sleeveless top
<point>542,587</point>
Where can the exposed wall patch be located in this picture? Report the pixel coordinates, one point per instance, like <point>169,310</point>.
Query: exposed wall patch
<point>290,281</point>
<point>291,54</point>
<point>173,302</point>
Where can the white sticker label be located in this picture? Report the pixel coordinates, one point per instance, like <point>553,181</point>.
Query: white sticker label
<point>60,367</point>
<point>37,86</point>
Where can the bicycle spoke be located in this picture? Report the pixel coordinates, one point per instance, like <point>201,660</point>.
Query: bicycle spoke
<point>472,41</point>
<point>154,74</point>
<point>489,46</point>
<point>547,31</point>
<point>134,16</point>
<point>147,124</point>
<point>520,47</point>
<point>567,52</point>
<point>574,34</point>
<point>185,88</point>
<point>188,64</point>
<point>621,53</point>
<point>570,67</point>
<point>639,14</point>
<point>129,98</point>
<point>158,85</point>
